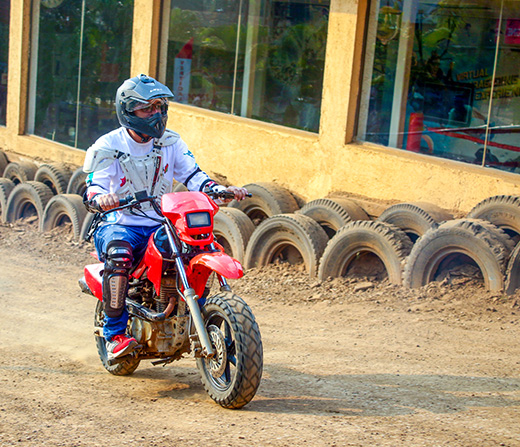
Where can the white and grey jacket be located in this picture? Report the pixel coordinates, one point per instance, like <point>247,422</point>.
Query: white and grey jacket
<point>116,163</point>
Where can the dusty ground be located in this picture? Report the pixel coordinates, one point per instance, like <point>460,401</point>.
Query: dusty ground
<point>346,363</point>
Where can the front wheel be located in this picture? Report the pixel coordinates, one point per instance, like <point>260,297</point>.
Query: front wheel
<point>233,375</point>
<point>124,368</point>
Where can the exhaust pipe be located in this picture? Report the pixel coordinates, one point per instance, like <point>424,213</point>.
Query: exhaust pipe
<point>149,315</point>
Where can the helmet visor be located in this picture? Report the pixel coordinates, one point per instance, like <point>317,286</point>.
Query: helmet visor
<point>160,104</point>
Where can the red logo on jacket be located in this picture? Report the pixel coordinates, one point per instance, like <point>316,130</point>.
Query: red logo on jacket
<point>123,182</point>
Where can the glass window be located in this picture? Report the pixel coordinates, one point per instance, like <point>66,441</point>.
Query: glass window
<point>260,59</point>
<point>442,78</point>
<point>81,54</point>
<point>5,6</point>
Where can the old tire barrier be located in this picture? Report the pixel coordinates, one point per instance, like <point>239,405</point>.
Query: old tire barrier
<point>333,213</point>
<point>178,187</point>
<point>455,243</point>
<point>233,229</point>
<point>502,211</point>
<point>6,187</point>
<point>414,218</point>
<point>371,247</point>
<point>27,199</point>
<point>291,238</point>
<point>20,172</point>
<point>77,183</point>
<point>268,199</point>
<point>4,161</point>
<point>55,176</point>
<point>513,271</point>
<point>86,226</point>
<point>63,209</point>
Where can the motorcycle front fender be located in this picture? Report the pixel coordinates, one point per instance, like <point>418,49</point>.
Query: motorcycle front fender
<point>218,262</point>
<point>202,265</point>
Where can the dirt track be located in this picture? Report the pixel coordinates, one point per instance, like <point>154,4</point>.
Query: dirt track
<point>380,366</point>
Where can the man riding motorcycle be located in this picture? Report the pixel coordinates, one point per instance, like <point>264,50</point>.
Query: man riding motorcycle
<point>140,155</point>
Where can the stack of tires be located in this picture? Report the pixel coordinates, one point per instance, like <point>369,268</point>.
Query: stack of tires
<point>410,244</point>
<point>50,194</point>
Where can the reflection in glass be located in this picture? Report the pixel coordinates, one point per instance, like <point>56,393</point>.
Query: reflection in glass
<point>83,55</point>
<point>4,56</point>
<point>431,86</point>
<point>255,58</point>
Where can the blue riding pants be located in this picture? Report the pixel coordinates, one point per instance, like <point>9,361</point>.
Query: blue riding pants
<point>137,237</point>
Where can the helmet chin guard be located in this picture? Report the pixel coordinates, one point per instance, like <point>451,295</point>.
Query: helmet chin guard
<point>142,89</point>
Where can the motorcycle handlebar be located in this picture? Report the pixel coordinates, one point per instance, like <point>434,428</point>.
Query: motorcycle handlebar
<point>224,195</point>
<point>142,196</point>
<point>124,202</point>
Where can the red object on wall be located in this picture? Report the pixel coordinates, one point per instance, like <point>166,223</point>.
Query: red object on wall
<point>186,51</point>
<point>415,129</point>
<point>512,36</point>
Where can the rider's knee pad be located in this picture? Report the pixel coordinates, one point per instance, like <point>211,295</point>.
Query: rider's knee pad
<point>119,254</point>
<point>115,277</point>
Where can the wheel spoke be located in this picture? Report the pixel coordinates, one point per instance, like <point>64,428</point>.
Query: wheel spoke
<point>227,374</point>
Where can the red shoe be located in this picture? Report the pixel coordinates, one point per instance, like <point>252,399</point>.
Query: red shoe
<point>120,345</point>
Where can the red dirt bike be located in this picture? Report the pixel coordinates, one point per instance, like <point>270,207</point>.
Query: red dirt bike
<point>171,312</point>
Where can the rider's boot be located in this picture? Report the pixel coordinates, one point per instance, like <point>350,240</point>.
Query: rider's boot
<point>115,286</point>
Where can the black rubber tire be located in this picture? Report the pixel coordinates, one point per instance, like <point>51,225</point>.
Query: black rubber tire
<point>86,226</point>
<point>77,183</point>
<point>64,208</point>
<point>27,199</point>
<point>55,176</point>
<point>333,213</point>
<point>268,199</point>
<point>362,239</point>
<point>4,161</point>
<point>233,229</point>
<point>502,211</point>
<point>119,369</point>
<point>415,218</point>
<point>20,172</point>
<point>6,187</point>
<point>513,272</point>
<point>289,238</point>
<point>237,384</point>
<point>452,242</point>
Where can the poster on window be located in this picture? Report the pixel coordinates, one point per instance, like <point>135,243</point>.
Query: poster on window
<point>512,36</point>
<point>182,73</point>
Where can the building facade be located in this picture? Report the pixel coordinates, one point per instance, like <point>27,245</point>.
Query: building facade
<point>406,100</point>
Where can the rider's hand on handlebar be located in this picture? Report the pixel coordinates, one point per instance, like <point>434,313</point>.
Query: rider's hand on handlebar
<point>107,201</point>
<point>240,193</point>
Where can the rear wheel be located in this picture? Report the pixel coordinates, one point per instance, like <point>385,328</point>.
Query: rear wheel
<point>124,368</point>
<point>233,375</point>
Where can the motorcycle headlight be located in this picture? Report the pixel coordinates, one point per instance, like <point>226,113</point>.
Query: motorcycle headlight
<point>198,220</point>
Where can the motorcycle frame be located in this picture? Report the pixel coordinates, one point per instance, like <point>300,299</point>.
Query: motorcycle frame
<point>193,275</point>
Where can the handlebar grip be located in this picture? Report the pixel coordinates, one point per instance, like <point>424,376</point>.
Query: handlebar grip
<point>230,195</point>
<point>125,200</point>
